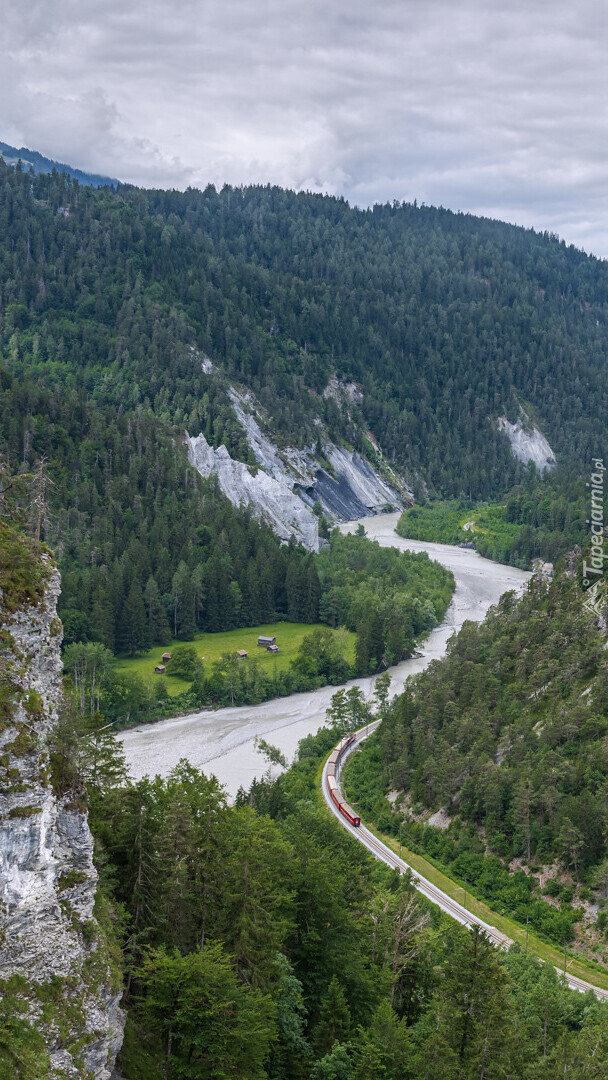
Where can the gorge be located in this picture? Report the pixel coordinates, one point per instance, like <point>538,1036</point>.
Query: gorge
<point>223,742</point>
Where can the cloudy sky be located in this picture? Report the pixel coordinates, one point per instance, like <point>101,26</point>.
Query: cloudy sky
<point>498,108</point>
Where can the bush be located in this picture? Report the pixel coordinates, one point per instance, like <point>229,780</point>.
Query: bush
<point>184,661</point>
<point>552,887</point>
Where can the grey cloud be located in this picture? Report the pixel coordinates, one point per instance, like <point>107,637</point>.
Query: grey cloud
<point>490,107</point>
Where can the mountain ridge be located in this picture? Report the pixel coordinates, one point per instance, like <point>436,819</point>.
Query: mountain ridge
<point>41,164</point>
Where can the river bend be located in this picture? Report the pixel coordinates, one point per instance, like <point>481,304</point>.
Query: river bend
<point>222,741</point>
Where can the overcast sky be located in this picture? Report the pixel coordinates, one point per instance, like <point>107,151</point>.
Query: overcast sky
<point>498,108</point>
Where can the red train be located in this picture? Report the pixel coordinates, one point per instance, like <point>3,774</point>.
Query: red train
<point>334,790</point>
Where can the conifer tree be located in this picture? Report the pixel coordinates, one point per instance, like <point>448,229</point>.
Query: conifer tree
<point>334,1022</point>
<point>158,626</point>
<point>133,636</point>
<point>184,626</point>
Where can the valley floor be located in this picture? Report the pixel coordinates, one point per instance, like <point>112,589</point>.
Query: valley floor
<point>222,742</point>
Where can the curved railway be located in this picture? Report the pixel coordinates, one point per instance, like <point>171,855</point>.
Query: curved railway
<point>352,822</point>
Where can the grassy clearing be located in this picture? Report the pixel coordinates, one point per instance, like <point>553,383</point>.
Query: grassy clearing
<point>443,522</point>
<point>210,648</point>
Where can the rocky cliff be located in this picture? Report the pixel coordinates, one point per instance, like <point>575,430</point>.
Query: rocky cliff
<point>285,484</point>
<point>59,979</point>
<point>528,444</point>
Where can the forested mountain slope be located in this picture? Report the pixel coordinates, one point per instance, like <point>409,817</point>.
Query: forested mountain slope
<point>109,299</point>
<point>260,941</point>
<point>507,737</point>
<point>32,159</point>
<point>446,321</point>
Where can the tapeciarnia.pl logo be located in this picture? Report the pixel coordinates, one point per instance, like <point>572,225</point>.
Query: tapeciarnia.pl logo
<point>593,571</point>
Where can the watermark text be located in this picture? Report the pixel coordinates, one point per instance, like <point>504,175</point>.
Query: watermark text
<point>593,570</point>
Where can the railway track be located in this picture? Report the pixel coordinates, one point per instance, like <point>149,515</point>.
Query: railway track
<point>386,855</point>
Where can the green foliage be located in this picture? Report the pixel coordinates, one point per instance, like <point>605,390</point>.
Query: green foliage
<point>540,519</point>
<point>336,1065</point>
<point>88,666</point>
<point>507,733</point>
<point>446,322</point>
<point>417,304</point>
<point>276,947</point>
<point>183,662</point>
<point>206,1022</point>
<point>70,879</point>
<point>23,1053</point>
<point>440,522</point>
<point>388,597</point>
<point>334,1023</point>
<point>105,317</point>
<point>22,572</point>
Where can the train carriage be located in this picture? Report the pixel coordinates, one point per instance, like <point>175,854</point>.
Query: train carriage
<point>334,790</point>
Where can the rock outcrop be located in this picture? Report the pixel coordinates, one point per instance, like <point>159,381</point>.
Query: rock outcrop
<point>271,499</point>
<point>286,483</point>
<point>528,445</point>
<point>57,968</point>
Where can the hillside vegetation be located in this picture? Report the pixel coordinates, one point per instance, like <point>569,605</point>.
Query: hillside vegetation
<point>445,320</point>
<point>374,603</point>
<point>539,519</point>
<point>507,735</point>
<point>109,299</point>
<point>261,942</point>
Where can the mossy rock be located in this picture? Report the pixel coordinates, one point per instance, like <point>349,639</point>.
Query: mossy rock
<point>70,879</point>
<point>22,572</point>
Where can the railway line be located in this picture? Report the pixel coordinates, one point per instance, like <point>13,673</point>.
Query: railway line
<point>352,822</point>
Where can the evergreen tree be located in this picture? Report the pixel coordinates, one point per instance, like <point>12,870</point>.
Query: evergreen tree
<point>184,626</point>
<point>334,1021</point>
<point>369,649</point>
<point>133,635</point>
<point>158,626</point>
<point>313,593</point>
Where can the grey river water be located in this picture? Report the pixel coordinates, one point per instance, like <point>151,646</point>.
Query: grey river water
<point>222,741</point>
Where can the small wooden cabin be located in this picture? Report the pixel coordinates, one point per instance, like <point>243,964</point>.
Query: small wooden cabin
<point>266,641</point>
<point>242,654</point>
<point>272,648</point>
<point>159,669</point>
<point>166,656</point>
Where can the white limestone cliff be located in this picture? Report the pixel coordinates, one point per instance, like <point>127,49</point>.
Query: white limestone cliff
<point>272,499</point>
<point>51,946</point>
<point>287,483</point>
<point>528,445</point>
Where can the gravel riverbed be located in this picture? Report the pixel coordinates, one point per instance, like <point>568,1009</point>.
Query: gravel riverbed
<point>222,741</point>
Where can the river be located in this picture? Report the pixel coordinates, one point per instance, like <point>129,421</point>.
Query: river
<point>222,741</point>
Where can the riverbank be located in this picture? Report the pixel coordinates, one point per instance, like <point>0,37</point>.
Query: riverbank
<point>222,742</point>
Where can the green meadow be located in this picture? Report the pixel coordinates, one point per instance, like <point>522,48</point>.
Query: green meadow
<point>210,648</point>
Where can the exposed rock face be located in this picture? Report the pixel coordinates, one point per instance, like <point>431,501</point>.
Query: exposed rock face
<point>49,935</point>
<point>528,445</point>
<point>272,499</point>
<point>290,481</point>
